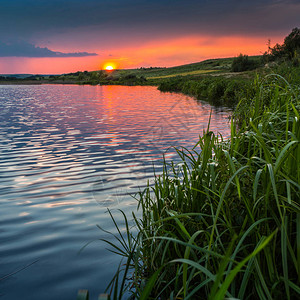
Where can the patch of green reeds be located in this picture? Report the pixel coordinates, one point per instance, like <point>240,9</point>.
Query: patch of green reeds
<point>218,91</point>
<point>225,221</point>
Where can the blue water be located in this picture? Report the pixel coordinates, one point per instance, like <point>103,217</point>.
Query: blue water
<point>67,153</point>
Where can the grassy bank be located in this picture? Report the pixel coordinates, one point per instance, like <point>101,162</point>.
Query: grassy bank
<point>225,221</point>
<point>226,89</point>
<point>216,90</point>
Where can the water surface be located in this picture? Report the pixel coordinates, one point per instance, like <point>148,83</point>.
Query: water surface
<point>66,154</point>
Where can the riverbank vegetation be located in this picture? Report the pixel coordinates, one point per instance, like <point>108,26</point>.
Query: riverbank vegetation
<point>223,90</point>
<point>224,221</point>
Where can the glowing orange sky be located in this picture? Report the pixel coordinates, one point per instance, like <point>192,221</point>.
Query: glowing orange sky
<point>162,53</point>
<point>63,36</point>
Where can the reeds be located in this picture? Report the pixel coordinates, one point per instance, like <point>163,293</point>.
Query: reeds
<point>225,221</point>
<point>217,90</point>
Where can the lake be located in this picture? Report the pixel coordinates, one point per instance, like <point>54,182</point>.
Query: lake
<point>67,153</point>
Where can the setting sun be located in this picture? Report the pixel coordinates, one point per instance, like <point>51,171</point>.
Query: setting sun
<point>109,66</point>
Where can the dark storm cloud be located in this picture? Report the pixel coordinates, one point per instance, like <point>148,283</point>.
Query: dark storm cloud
<point>30,19</point>
<point>24,49</point>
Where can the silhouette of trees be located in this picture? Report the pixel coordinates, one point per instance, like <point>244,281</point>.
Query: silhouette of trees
<point>290,49</point>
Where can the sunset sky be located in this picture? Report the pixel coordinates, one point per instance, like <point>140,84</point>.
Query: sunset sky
<point>61,36</point>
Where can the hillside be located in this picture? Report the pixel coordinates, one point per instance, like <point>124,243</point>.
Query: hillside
<point>219,65</point>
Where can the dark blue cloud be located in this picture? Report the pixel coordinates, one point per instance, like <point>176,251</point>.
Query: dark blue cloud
<point>24,49</point>
<point>32,19</point>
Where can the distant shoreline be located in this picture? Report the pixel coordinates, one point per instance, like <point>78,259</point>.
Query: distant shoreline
<point>33,82</point>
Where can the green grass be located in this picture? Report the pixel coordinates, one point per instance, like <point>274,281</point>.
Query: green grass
<point>220,65</point>
<point>197,72</point>
<point>225,221</point>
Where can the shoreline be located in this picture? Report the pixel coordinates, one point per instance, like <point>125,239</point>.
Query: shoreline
<point>33,82</point>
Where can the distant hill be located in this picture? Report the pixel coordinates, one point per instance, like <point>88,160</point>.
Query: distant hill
<point>22,76</point>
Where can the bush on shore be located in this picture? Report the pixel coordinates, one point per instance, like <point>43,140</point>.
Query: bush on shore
<point>243,63</point>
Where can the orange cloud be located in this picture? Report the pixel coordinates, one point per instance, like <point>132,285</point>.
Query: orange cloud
<point>190,49</point>
<point>160,53</point>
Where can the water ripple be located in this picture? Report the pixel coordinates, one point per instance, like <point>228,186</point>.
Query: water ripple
<point>66,154</point>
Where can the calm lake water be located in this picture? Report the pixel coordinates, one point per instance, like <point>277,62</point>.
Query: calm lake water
<point>66,154</point>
